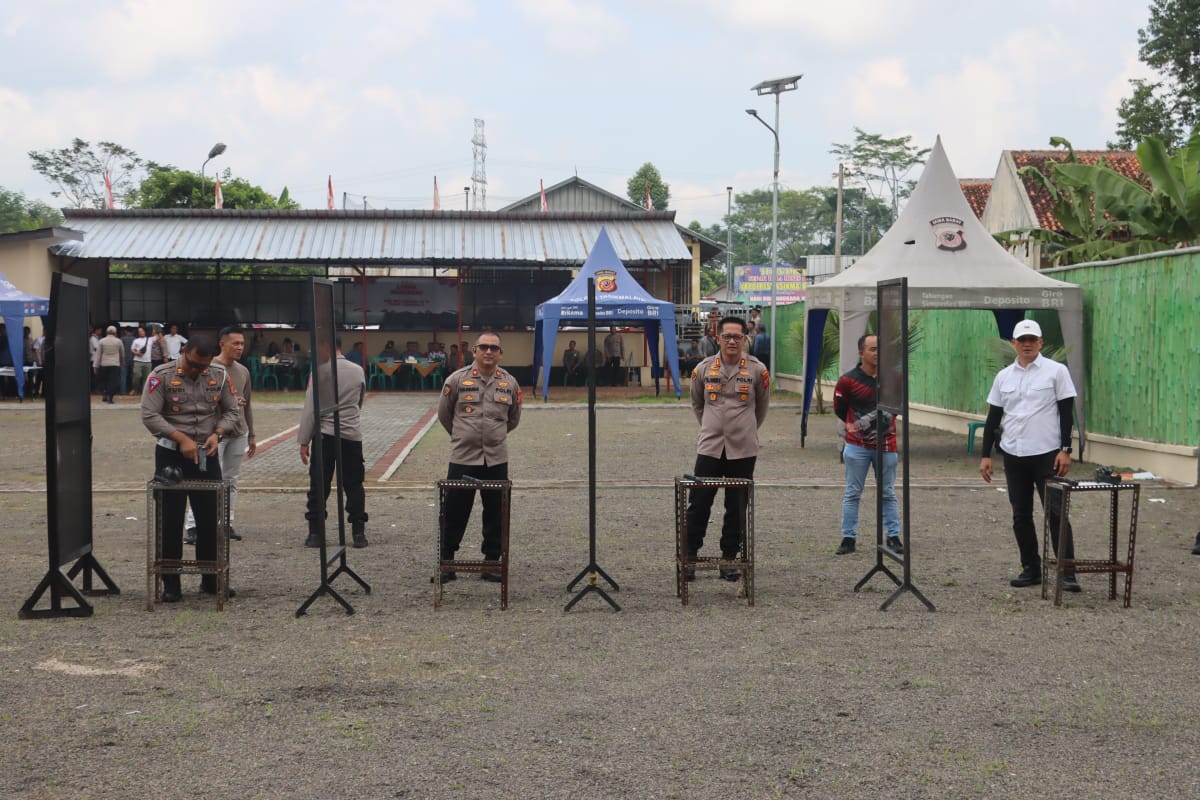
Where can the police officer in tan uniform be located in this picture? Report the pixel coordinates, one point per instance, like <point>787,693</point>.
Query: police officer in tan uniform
<point>730,393</point>
<point>479,405</point>
<point>352,388</point>
<point>189,405</point>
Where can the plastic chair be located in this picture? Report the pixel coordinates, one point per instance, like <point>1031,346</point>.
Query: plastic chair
<point>376,376</point>
<point>268,374</point>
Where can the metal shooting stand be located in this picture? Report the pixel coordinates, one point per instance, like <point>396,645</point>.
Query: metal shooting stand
<point>473,566</point>
<point>324,340</point>
<point>892,302</point>
<point>592,570</point>
<point>745,560</point>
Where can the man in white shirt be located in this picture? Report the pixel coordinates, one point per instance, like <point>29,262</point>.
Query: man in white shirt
<point>175,343</point>
<point>1035,398</point>
<point>141,360</point>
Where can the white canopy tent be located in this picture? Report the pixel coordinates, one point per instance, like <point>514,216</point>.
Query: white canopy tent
<point>951,262</point>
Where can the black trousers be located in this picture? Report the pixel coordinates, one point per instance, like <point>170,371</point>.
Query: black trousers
<point>700,504</point>
<point>459,503</point>
<point>320,479</point>
<point>110,382</point>
<point>204,506</point>
<point>1023,475</point>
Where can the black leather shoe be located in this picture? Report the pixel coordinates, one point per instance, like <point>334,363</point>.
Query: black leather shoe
<point>446,577</point>
<point>690,573</point>
<point>360,540</point>
<point>1069,584</point>
<point>237,537</point>
<point>313,540</point>
<point>1030,576</point>
<point>1196,549</point>
<point>490,577</point>
<point>730,575</point>
<point>895,545</point>
<point>847,546</point>
<point>171,596</point>
<point>189,536</point>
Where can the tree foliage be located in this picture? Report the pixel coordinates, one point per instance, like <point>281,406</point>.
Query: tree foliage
<point>1105,215</point>
<point>78,172</point>
<point>168,187</point>
<point>881,164</point>
<point>1168,108</point>
<point>660,192</point>
<point>19,214</point>
<point>807,226</point>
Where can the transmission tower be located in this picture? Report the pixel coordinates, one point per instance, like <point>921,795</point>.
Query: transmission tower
<point>479,172</point>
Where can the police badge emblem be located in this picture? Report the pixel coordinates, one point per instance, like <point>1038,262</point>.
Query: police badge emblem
<point>606,280</point>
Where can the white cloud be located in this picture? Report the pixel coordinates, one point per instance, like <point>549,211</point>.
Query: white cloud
<point>572,26</point>
<point>848,22</point>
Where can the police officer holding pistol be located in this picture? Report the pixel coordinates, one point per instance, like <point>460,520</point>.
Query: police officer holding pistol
<point>479,405</point>
<point>189,406</point>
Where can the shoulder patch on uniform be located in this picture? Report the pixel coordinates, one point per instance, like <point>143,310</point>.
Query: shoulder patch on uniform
<point>520,395</point>
<point>153,383</point>
<point>446,390</point>
<point>766,380</point>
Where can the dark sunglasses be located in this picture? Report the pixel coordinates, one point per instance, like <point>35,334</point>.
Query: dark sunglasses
<point>489,347</point>
<point>1027,339</point>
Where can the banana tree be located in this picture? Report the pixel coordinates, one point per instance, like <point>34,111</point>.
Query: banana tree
<point>1105,215</point>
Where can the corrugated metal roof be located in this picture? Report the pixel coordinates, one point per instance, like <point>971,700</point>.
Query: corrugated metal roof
<point>493,239</point>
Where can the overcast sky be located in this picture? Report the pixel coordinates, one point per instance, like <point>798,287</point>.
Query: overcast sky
<point>382,95</point>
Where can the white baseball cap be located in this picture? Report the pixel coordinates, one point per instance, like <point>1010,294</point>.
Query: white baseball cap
<point>1027,327</point>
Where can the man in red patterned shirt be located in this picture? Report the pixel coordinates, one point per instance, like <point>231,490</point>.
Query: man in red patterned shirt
<point>854,401</point>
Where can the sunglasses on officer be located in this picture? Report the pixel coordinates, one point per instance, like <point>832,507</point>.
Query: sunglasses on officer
<point>489,348</point>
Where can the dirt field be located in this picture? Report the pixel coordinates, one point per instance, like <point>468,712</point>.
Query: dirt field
<point>812,693</point>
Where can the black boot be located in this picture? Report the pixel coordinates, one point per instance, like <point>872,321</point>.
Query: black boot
<point>314,534</point>
<point>358,529</point>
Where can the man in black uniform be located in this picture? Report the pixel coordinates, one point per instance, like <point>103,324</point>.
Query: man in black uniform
<point>189,406</point>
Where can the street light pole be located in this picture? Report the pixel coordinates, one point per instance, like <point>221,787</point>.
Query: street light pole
<point>466,198</point>
<point>215,151</point>
<point>776,86</point>
<point>729,245</point>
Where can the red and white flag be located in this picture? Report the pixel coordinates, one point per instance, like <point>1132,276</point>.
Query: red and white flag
<point>108,198</point>
<point>329,201</point>
<point>437,200</point>
<point>218,198</point>
<point>649,202</point>
<point>542,184</point>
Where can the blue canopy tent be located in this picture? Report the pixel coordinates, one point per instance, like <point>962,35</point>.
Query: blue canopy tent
<point>619,299</point>
<point>15,306</point>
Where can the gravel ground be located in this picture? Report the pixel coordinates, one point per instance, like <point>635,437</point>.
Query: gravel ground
<point>814,692</point>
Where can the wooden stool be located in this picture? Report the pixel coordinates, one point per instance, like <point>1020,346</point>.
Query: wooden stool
<point>1111,565</point>
<point>683,560</point>
<point>473,566</point>
<point>157,566</point>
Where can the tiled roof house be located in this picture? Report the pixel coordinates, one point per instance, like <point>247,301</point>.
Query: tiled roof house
<point>1017,202</point>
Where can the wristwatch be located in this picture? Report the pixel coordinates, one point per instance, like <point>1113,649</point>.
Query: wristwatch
<point>1066,450</point>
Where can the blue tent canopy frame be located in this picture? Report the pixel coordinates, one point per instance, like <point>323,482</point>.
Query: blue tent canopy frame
<point>619,299</point>
<point>15,306</point>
